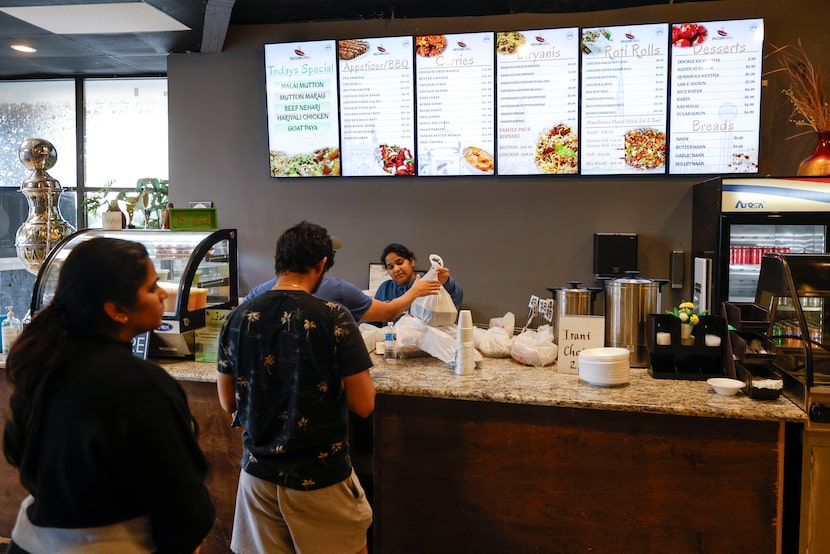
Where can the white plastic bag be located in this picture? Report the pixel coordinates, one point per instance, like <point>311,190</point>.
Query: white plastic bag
<point>407,335</point>
<point>495,343</point>
<point>535,347</point>
<point>370,335</point>
<point>437,310</point>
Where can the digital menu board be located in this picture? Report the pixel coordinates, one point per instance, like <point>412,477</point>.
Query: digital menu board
<point>454,80</point>
<point>716,96</point>
<point>301,94</point>
<point>377,106</point>
<point>624,99</point>
<point>537,108</point>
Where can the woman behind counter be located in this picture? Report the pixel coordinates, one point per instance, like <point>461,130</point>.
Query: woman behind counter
<point>400,265</point>
<point>104,441</point>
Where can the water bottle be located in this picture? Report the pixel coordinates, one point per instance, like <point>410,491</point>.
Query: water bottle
<point>389,342</point>
<point>11,327</point>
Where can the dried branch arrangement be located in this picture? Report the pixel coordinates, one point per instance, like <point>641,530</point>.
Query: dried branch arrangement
<point>807,90</point>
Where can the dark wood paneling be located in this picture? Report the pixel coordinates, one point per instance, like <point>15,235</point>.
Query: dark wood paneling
<point>456,476</point>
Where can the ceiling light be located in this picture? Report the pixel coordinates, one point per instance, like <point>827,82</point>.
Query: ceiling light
<point>23,48</point>
<point>78,19</point>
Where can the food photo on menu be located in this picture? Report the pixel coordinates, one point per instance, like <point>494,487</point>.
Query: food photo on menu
<point>538,98</point>
<point>302,109</point>
<point>455,104</point>
<point>377,106</point>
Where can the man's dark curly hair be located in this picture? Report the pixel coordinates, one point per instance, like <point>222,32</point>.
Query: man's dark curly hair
<point>302,247</point>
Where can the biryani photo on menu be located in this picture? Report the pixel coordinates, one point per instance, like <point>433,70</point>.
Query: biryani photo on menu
<point>557,150</point>
<point>320,162</point>
<point>645,148</point>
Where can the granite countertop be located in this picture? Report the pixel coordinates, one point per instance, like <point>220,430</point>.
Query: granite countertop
<point>506,381</point>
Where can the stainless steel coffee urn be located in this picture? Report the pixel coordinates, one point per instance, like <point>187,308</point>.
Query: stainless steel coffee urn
<point>628,302</point>
<point>572,300</point>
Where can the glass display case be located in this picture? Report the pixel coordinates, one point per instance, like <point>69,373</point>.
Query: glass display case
<point>198,269</point>
<point>795,288</point>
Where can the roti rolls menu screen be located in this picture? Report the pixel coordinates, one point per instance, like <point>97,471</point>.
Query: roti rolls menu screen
<point>656,98</point>
<point>301,92</point>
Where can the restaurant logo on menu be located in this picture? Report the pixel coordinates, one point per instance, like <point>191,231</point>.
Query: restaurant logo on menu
<point>300,55</point>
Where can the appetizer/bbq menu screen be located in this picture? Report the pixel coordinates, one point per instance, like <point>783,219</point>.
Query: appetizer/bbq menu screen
<point>377,106</point>
<point>538,101</point>
<point>301,92</point>
<point>454,79</point>
<point>716,96</point>
<point>624,99</point>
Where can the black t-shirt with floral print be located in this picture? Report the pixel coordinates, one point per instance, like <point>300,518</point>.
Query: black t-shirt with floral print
<point>288,352</point>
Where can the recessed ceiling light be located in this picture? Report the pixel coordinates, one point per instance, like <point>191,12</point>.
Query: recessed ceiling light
<point>23,48</point>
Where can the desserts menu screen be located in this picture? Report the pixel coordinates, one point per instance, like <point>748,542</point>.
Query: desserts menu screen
<point>377,106</point>
<point>301,95</point>
<point>537,101</point>
<point>624,99</point>
<point>454,80</point>
<point>716,96</point>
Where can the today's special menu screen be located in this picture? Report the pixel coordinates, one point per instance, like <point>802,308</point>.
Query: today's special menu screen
<point>656,98</point>
<point>716,101</point>
<point>301,95</point>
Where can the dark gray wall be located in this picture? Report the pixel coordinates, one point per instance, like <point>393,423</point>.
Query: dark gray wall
<point>503,238</point>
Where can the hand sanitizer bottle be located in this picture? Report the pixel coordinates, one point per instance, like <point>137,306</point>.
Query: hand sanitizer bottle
<point>389,342</point>
<point>10,329</point>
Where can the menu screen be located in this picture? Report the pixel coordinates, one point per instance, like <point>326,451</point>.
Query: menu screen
<point>716,98</point>
<point>538,101</point>
<point>301,92</point>
<point>377,106</point>
<point>624,99</point>
<point>454,79</point>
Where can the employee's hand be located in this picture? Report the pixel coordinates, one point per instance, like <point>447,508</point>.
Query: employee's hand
<point>443,275</point>
<point>425,287</point>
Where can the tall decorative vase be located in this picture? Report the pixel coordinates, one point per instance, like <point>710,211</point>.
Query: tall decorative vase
<point>818,163</point>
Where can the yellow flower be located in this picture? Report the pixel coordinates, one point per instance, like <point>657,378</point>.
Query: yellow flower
<point>694,319</point>
<point>689,305</point>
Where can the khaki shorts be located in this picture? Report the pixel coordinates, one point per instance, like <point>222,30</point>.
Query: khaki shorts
<point>270,518</point>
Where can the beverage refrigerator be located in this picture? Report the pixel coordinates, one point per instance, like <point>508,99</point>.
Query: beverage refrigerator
<point>736,221</point>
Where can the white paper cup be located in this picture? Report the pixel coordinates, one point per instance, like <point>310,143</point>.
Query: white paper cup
<point>711,340</point>
<point>465,319</point>
<point>380,348</point>
<point>663,339</point>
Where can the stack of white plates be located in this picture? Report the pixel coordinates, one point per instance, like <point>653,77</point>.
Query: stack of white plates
<point>604,367</point>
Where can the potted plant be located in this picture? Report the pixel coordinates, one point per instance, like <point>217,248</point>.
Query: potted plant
<point>688,315</point>
<point>153,197</point>
<point>112,217</point>
<point>811,106</point>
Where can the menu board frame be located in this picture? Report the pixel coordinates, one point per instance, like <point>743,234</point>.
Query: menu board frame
<point>414,159</point>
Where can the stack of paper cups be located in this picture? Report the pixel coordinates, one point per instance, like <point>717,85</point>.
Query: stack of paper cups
<point>465,361</point>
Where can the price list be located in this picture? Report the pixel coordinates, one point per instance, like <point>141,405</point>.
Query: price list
<point>301,95</point>
<point>538,101</point>
<point>454,79</point>
<point>377,106</point>
<point>716,99</point>
<point>624,99</point>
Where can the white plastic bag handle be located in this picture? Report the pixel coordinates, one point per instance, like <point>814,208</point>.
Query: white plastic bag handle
<point>436,260</point>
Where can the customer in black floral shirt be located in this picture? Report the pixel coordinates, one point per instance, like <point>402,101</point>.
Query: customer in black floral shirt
<point>290,365</point>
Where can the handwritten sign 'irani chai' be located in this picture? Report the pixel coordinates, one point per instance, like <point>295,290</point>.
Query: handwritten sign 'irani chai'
<point>576,333</point>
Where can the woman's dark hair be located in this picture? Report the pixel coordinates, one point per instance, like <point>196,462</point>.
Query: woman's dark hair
<point>302,247</point>
<point>398,249</point>
<point>96,271</point>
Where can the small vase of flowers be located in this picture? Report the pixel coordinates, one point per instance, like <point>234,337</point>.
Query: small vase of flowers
<point>689,316</point>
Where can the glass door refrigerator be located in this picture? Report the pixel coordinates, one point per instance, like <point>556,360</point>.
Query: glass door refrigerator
<point>736,221</point>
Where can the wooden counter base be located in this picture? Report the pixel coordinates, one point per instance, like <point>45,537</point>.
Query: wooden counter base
<point>460,476</point>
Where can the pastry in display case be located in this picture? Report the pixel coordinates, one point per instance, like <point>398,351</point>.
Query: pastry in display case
<point>198,269</point>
